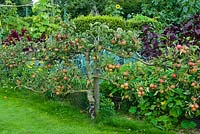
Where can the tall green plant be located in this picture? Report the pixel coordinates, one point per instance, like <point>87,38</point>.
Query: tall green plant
<point>171,11</point>
<point>45,19</point>
<point>10,19</point>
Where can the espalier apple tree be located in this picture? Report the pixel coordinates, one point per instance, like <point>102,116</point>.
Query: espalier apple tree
<point>99,45</point>
<point>48,66</point>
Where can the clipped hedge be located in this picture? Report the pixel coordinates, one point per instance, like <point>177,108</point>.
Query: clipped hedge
<point>138,21</point>
<point>82,23</point>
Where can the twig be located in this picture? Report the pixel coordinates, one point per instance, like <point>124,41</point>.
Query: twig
<point>31,89</point>
<point>75,91</point>
<point>116,84</point>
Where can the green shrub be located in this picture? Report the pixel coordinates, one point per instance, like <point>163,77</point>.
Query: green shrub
<point>138,21</point>
<point>83,22</point>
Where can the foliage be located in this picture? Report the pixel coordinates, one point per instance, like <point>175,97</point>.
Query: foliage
<point>9,19</point>
<point>187,33</point>
<point>188,124</point>
<point>49,66</point>
<point>138,21</point>
<point>165,90</point>
<point>131,7</point>
<point>113,8</point>
<point>171,11</point>
<point>46,19</point>
<point>107,107</point>
<point>84,7</point>
<point>21,11</point>
<point>58,59</point>
<point>102,7</point>
<point>82,23</point>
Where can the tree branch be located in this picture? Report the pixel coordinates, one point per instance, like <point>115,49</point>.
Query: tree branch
<point>116,84</point>
<point>75,91</point>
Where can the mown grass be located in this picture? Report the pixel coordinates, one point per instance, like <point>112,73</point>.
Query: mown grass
<point>22,112</point>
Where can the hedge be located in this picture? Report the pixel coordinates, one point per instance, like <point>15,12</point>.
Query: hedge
<point>82,22</point>
<point>138,21</point>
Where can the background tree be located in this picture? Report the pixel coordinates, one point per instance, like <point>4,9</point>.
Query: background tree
<point>22,11</point>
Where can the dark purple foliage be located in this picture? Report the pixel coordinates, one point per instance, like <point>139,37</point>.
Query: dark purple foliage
<point>42,38</point>
<point>187,33</point>
<point>23,31</point>
<point>15,36</point>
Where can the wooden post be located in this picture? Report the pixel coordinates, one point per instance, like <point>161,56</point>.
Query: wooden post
<point>90,94</point>
<point>96,91</point>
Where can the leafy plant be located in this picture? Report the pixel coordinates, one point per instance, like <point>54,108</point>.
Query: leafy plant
<point>188,124</point>
<point>186,33</point>
<point>138,21</point>
<point>9,19</point>
<point>171,11</point>
<point>163,90</point>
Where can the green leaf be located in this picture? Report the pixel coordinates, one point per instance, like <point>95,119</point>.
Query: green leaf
<point>187,92</point>
<point>132,110</point>
<point>175,112</point>
<point>163,118</point>
<point>170,105</point>
<point>178,102</point>
<point>152,107</point>
<point>42,29</point>
<point>188,124</point>
<point>149,113</point>
<point>154,121</point>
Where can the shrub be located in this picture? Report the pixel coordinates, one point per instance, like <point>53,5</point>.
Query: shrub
<point>138,21</point>
<point>82,23</point>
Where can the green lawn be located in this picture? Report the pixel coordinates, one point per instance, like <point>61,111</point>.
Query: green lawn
<point>22,112</point>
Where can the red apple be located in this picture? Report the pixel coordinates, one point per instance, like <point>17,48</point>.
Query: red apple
<point>179,47</point>
<point>174,75</point>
